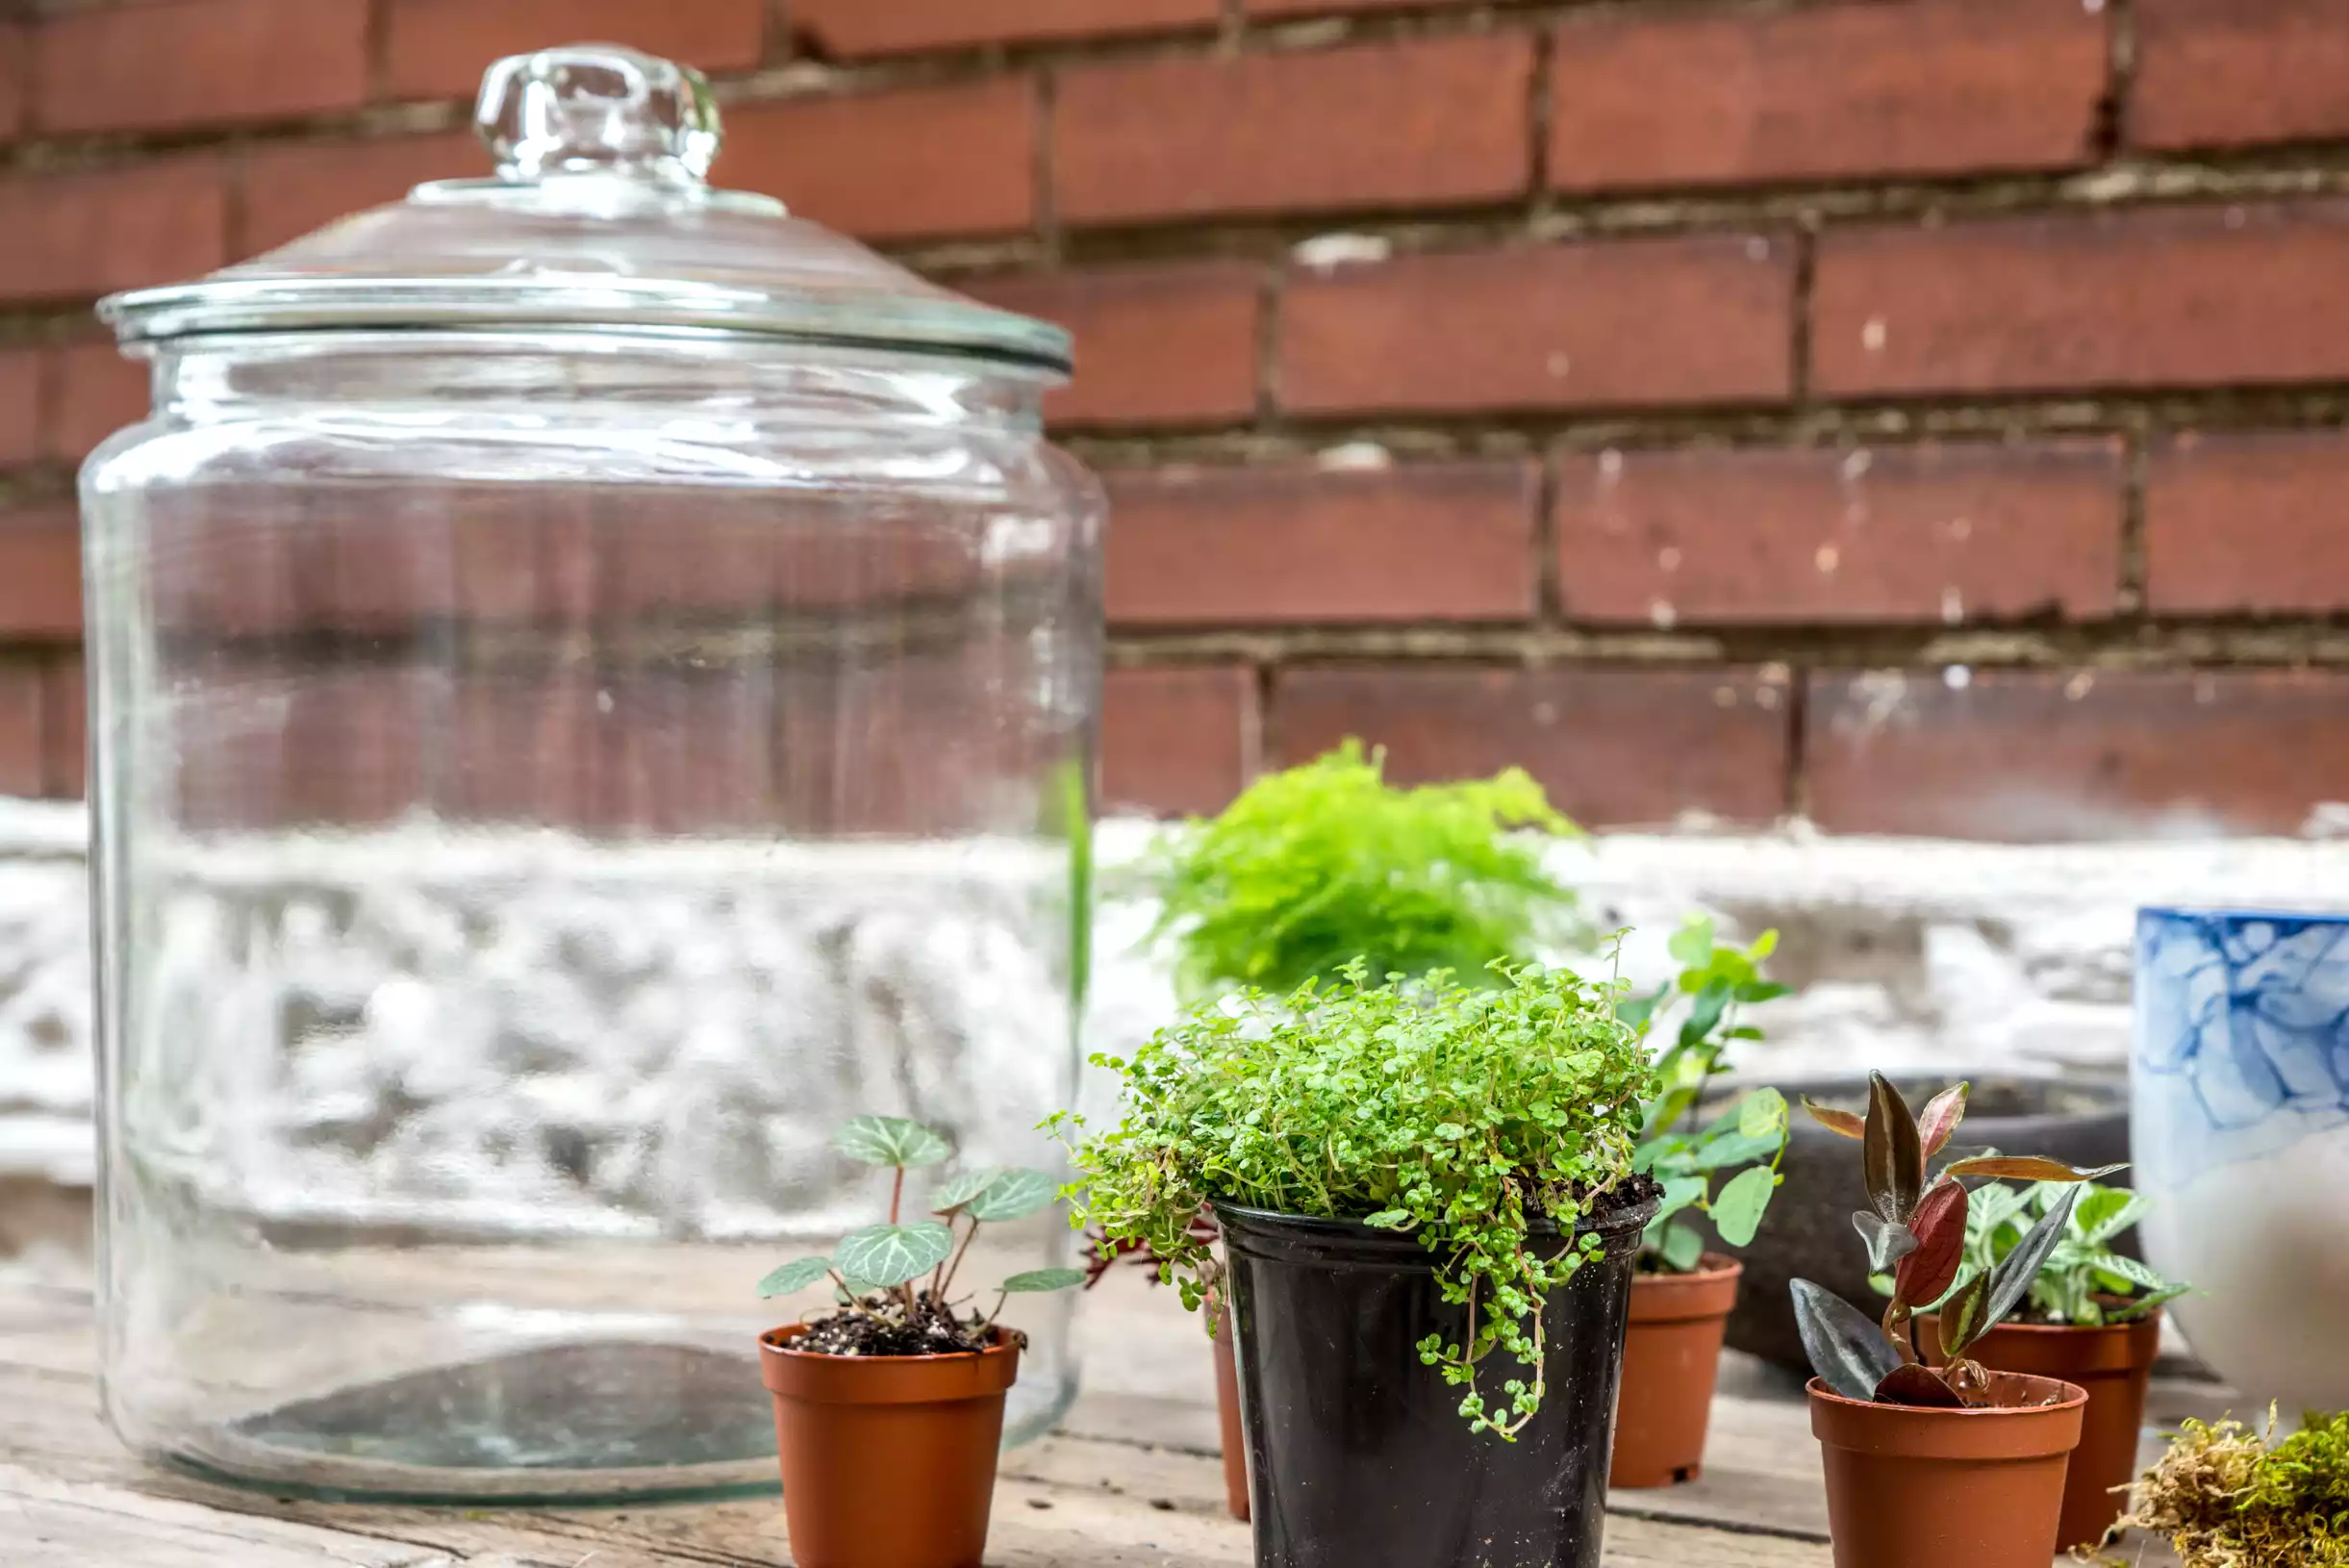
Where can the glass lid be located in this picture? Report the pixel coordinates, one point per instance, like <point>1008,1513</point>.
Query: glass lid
<point>599,215</point>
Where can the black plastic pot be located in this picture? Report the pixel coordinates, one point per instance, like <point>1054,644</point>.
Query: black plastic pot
<point>1357,1452</point>
<point>1809,1232</point>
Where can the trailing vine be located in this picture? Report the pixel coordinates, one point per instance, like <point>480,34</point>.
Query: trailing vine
<point>1473,1117</point>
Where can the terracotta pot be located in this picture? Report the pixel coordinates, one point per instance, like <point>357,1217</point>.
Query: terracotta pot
<point>887,1460</point>
<point>2113,1364</point>
<point>1670,1358</point>
<point>1227,1417</point>
<point>1914,1488</point>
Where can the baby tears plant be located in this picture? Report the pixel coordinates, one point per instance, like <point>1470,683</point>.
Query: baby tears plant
<point>1714,981</point>
<point>1326,863</point>
<point>885,1305</point>
<point>1917,1232</point>
<point>2084,1283</point>
<point>1482,1120</point>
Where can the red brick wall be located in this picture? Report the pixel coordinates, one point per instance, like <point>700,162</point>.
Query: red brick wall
<point>1925,415</point>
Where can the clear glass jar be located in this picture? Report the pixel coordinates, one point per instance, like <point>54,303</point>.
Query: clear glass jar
<point>595,682</point>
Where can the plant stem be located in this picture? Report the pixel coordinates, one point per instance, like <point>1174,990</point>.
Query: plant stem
<point>956,1262</point>
<point>896,1190</point>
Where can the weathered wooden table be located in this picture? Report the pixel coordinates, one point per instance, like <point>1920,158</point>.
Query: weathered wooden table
<point>1130,1479</point>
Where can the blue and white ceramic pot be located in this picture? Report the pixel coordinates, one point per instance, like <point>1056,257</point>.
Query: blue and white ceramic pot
<point>2239,1133</point>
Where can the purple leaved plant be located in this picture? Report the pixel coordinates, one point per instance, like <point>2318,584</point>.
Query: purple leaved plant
<point>1915,1230</point>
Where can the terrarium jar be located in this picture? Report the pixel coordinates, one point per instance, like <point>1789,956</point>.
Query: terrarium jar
<point>596,682</point>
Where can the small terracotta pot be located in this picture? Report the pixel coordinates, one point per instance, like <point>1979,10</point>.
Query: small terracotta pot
<point>1980,1488</point>
<point>887,1459</point>
<point>1671,1357</point>
<point>2113,1364</point>
<point>1227,1417</point>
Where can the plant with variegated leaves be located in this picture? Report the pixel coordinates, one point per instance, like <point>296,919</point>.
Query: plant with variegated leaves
<point>2084,1283</point>
<point>1715,979</point>
<point>885,1307</point>
<point>1917,1232</point>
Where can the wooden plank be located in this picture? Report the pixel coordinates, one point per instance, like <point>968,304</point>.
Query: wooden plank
<point>47,1522</point>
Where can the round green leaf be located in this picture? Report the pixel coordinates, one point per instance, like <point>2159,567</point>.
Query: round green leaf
<point>1013,1194</point>
<point>959,1189</point>
<point>1762,1114</point>
<point>1040,1280</point>
<point>1738,1209</point>
<point>890,1140</point>
<point>795,1275</point>
<point>1683,1249</point>
<point>882,1255</point>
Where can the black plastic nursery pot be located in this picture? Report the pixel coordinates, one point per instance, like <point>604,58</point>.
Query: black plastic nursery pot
<point>1357,1451</point>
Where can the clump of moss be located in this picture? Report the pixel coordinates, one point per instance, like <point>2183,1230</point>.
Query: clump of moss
<point>1312,868</point>
<point>2229,1497</point>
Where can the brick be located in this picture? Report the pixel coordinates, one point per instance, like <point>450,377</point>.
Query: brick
<point>289,190</point>
<point>2182,296</point>
<point>97,393</point>
<point>686,751</point>
<point>14,65</point>
<point>198,63</point>
<point>2036,755</point>
<point>1155,344</point>
<point>1613,747</point>
<point>529,748</point>
<point>1430,121</point>
<point>2220,73</point>
<point>913,164</point>
<point>851,29</point>
<point>2247,525</point>
<point>1608,324</point>
<point>41,572</point>
<point>1178,741</point>
<point>265,742</point>
<point>78,235</point>
<point>22,689</point>
<point>440,48</point>
<point>1294,545</point>
<point>64,730</point>
<point>20,397</point>
<point>1952,533</point>
<point>1939,86</point>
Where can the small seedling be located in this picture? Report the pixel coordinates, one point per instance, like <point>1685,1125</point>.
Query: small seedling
<point>1715,980</point>
<point>884,1306</point>
<point>2084,1283</point>
<point>1917,1232</point>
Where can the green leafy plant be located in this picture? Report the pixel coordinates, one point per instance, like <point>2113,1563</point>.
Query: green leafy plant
<point>1326,863</point>
<point>884,1307</point>
<point>2084,1283</point>
<point>1917,1232</point>
<point>1477,1118</point>
<point>2228,1498</point>
<point>1714,981</point>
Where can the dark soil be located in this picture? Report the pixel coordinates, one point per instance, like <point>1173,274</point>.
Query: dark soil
<point>880,1326</point>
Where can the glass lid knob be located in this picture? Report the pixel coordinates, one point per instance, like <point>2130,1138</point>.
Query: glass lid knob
<point>597,109</point>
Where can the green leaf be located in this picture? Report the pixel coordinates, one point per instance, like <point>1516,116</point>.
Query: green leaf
<point>1683,1248</point>
<point>1762,945</point>
<point>890,1140</point>
<point>1762,1114</point>
<point>1693,943</point>
<point>2106,1212</point>
<point>1962,1316</point>
<point>795,1276</point>
<point>1704,1014</point>
<point>2134,1310</point>
<point>1679,1192</point>
<point>959,1189</point>
<point>882,1255</point>
<point>1639,1011</point>
<point>1012,1194</point>
<point>2134,1272</point>
<point>1760,991</point>
<point>1738,1211</point>
<point>1043,1280</point>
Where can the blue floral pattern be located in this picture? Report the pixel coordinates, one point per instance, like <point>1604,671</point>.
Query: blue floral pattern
<point>2242,1035</point>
